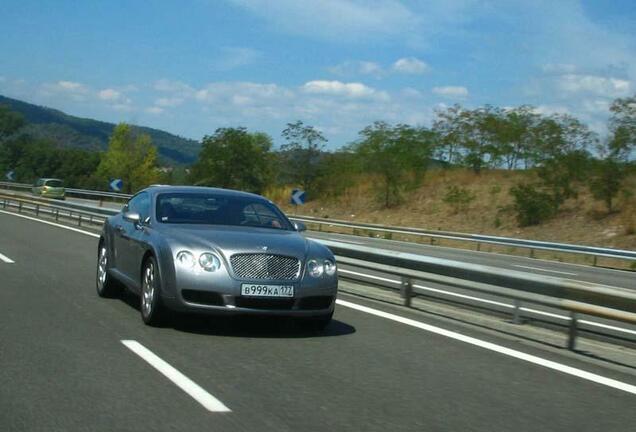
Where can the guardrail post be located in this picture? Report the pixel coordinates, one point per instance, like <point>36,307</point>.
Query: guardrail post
<point>57,214</point>
<point>79,221</point>
<point>531,253</point>
<point>19,206</point>
<point>516,313</point>
<point>407,291</point>
<point>573,331</point>
<point>478,246</point>
<point>101,201</point>
<point>594,262</point>
<point>37,209</point>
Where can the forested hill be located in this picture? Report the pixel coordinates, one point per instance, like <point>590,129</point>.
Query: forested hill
<point>69,131</point>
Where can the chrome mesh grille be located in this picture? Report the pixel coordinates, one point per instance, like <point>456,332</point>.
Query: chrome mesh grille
<point>265,266</point>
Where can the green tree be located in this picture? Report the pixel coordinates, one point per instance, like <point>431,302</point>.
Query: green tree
<point>236,159</point>
<point>532,204</point>
<point>607,180</point>
<point>449,128</point>
<point>10,122</point>
<point>338,171</point>
<point>610,171</point>
<point>397,154</point>
<point>622,125</point>
<point>301,155</point>
<point>459,198</point>
<point>130,157</point>
<point>516,135</point>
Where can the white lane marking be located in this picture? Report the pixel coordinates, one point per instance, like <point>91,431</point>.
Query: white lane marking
<point>487,345</point>
<point>496,303</point>
<point>51,223</point>
<point>609,382</point>
<point>6,259</point>
<point>210,403</point>
<point>545,270</point>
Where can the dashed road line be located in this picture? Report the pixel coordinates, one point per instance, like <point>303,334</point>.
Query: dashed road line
<point>6,259</point>
<point>208,401</point>
<point>569,370</point>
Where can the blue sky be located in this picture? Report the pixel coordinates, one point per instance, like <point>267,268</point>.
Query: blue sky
<point>189,67</point>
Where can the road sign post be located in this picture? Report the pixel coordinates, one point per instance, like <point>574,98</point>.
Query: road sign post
<point>116,185</point>
<point>297,197</point>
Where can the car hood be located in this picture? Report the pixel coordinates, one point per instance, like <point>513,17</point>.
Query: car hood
<point>230,240</point>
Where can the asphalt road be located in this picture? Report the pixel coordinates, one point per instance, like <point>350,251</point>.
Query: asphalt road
<point>599,275</point>
<point>63,366</point>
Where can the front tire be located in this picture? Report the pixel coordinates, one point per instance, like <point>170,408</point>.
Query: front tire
<point>153,313</point>
<point>106,286</point>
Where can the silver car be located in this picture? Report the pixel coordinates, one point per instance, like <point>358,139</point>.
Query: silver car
<point>216,251</point>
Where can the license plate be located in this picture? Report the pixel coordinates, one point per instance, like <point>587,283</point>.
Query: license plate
<point>256,290</point>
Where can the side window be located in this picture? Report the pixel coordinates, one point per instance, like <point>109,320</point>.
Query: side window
<point>140,203</point>
<point>259,215</point>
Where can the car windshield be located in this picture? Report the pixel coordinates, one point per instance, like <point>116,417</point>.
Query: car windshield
<point>54,183</point>
<point>217,209</point>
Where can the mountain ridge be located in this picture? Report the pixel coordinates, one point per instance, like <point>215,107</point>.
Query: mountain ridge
<point>67,130</point>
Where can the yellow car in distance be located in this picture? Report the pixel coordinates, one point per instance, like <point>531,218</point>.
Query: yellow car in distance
<point>49,188</point>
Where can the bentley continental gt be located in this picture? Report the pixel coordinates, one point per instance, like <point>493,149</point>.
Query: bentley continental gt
<point>214,251</point>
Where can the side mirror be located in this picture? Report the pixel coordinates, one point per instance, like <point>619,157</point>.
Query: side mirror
<point>299,226</point>
<point>132,217</point>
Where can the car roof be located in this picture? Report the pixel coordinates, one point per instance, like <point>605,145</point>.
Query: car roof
<point>157,189</point>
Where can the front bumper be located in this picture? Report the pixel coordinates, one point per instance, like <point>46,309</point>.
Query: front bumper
<point>217,304</point>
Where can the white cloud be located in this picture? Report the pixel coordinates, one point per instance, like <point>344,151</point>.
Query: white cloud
<point>238,92</point>
<point>166,85</point>
<point>410,65</point>
<point>234,57</point>
<point>75,91</point>
<point>558,68</point>
<point>109,94</point>
<point>353,68</point>
<point>340,20</point>
<point>70,86</point>
<point>599,85</point>
<point>451,91</point>
<point>154,110</point>
<point>169,102</point>
<point>548,110</point>
<point>338,88</point>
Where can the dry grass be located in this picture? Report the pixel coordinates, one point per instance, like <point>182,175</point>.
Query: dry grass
<point>581,220</point>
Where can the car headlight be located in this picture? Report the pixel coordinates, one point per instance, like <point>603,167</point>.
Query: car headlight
<point>314,268</point>
<point>209,262</point>
<point>185,259</point>
<point>330,267</point>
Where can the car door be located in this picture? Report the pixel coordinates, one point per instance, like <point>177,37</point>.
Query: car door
<point>125,231</point>
<point>139,236</point>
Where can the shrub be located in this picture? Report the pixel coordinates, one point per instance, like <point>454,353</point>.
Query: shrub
<point>531,204</point>
<point>458,198</point>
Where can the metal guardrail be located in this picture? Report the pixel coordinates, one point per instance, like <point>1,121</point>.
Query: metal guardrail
<point>40,207</point>
<point>478,239</point>
<point>577,297</point>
